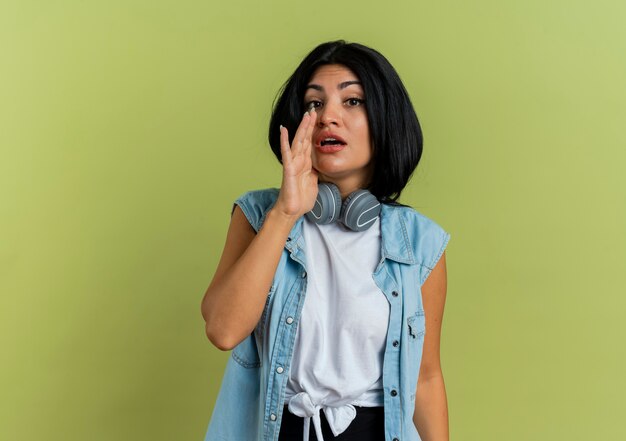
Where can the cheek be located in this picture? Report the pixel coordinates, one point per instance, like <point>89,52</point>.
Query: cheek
<point>364,135</point>
<point>362,126</point>
<point>314,161</point>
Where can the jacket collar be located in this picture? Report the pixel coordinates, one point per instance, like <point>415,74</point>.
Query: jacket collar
<point>395,242</point>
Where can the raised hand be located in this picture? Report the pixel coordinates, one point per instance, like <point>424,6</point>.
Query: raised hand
<point>299,186</point>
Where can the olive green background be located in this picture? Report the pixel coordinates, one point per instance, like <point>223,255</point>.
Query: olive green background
<point>127,128</point>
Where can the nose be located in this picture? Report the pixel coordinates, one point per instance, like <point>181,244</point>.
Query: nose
<point>329,113</point>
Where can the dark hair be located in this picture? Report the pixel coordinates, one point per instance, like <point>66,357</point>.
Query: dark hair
<point>395,131</point>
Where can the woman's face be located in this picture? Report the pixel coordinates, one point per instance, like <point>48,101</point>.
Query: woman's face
<point>339,101</point>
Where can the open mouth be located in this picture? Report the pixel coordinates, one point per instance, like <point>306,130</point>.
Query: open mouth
<point>331,141</point>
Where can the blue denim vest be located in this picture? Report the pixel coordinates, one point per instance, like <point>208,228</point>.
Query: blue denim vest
<point>250,403</point>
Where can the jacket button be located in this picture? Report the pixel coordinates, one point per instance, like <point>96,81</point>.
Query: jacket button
<point>393,393</point>
<point>396,343</point>
<point>279,369</point>
<point>303,274</point>
<point>273,417</point>
<point>395,293</point>
<point>289,320</point>
<point>396,439</point>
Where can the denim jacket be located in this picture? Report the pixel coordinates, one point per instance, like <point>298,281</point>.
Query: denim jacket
<point>251,399</point>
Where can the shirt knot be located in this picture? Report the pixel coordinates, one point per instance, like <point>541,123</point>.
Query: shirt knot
<point>339,418</point>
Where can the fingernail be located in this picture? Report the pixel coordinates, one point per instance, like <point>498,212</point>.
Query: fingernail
<point>281,127</point>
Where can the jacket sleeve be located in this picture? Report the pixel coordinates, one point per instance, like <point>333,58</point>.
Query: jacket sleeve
<point>255,205</point>
<point>431,241</point>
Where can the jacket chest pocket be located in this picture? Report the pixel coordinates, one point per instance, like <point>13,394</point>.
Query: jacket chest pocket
<point>246,353</point>
<point>415,331</point>
<point>416,325</point>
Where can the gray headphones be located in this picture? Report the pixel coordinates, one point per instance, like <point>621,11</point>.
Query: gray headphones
<point>358,212</point>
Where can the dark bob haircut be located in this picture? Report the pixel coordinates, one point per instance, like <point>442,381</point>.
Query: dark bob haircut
<point>396,135</point>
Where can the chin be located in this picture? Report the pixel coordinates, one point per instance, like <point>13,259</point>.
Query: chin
<point>329,171</point>
<point>337,169</point>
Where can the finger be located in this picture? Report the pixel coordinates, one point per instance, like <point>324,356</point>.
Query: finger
<point>299,137</point>
<point>285,150</point>
<point>308,140</point>
<point>296,145</point>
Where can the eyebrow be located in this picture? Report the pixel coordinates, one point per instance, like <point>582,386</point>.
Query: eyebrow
<point>340,86</point>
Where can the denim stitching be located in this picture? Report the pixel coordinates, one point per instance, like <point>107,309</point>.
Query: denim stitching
<point>446,238</point>
<point>412,329</point>
<point>435,260</point>
<point>245,363</point>
<point>405,234</point>
<point>246,211</point>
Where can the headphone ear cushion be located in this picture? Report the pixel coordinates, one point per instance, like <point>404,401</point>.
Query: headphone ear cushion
<point>360,210</point>
<point>327,206</point>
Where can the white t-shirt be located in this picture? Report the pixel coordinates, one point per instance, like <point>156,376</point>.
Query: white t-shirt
<point>340,341</point>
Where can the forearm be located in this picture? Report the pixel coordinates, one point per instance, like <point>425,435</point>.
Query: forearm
<point>431,409</point>
<point>233,304</point>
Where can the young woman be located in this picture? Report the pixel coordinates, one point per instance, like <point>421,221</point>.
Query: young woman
<point>329,292</point>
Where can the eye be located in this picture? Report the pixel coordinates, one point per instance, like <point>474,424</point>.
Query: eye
<point>355,101</point>
<point>311,104</point>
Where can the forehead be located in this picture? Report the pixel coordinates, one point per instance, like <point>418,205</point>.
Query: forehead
<point>332,75</point>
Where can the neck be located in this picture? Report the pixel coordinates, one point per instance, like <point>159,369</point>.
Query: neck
<point>345,188</point>
<point>346,185</point>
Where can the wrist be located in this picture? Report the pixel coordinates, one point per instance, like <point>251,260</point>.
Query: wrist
<point>286,221</point>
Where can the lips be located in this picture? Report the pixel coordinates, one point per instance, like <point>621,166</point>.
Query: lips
<point>322,136</point>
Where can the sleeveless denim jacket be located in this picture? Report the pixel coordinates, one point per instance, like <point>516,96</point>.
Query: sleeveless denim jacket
<point>250,402</point>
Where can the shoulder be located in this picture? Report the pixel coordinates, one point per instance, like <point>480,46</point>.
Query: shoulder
<point>255,204</point>
<point>424,238</point>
